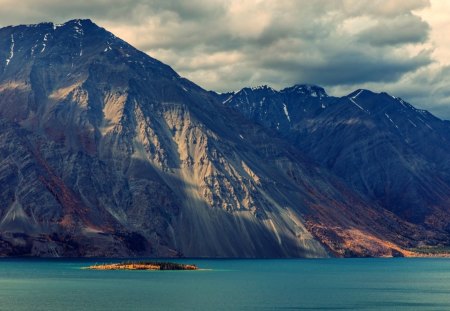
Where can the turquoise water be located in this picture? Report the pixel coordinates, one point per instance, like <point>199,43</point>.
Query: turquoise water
<point>322,284</point>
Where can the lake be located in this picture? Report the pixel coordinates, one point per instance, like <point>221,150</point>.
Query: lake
<point>291,284</point>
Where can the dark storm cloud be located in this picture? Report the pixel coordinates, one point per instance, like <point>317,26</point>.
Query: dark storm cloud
<point>227,44</point>
<point>350,67</point>
<point>396,31</point>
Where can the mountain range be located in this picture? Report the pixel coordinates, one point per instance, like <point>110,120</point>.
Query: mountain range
<point>106,151</point>
<point>396,155</point>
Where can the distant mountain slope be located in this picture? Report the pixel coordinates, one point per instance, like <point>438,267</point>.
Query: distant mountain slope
<point>105,151</point>
<point>395,154</point>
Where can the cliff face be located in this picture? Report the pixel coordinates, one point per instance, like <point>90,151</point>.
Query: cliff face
<point>105,151</point>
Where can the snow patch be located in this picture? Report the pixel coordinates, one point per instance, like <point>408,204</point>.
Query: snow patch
<point>351,99</point>
<point>79,30</point>
<point>426,124</point>
<point>401,102</point>
<point>227,100</point>
<point>11,51</point>
<point>33,49</point>
<point>360,91</point>
<point>286,113</point>
<point>44,45</point>
<point>81,48</point>
<point>55,26</point>
<point>387,116</point>
<point>405,104</point>
<point>414,124</point>
<point>108,48</point>
<point>262,101</point>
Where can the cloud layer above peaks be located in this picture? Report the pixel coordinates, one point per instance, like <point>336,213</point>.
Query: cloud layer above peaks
<point>224,45</point>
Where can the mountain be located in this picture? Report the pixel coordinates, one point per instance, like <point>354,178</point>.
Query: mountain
<point>394,154</point>
<point>105,151</point>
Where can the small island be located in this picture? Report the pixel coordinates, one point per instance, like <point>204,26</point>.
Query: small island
<point>142,265</point>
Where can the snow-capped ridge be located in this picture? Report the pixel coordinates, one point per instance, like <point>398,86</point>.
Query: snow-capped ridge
<point>77,37</point>
<point>263,87</point>
<point>360,92</point>
<point>306,89</point>
<point>81,22</point>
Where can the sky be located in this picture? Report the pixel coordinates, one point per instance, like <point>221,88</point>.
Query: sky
<point>398,46</point>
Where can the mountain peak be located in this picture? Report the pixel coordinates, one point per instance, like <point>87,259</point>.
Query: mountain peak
<point>360,92</point>
<point>306,89</point>
<point>79,22</point>
<point>77,42</point>
<point>260,88</point>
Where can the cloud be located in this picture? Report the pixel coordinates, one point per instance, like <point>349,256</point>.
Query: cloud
<point>382,8</point>
<point>323,42</point>
<point>346,66</point>
<point>428,89</point>
<point>228,44</point>
<point>399,30</point>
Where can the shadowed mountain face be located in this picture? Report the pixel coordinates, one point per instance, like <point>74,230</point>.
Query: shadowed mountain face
<point>105,151</point>
<point>396,155</point>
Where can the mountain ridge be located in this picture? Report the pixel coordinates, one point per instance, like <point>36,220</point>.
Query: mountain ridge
<point>328,128</point>
<point>106,151</point>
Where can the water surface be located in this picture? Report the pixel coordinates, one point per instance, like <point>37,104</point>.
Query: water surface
<point>303,284</point>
